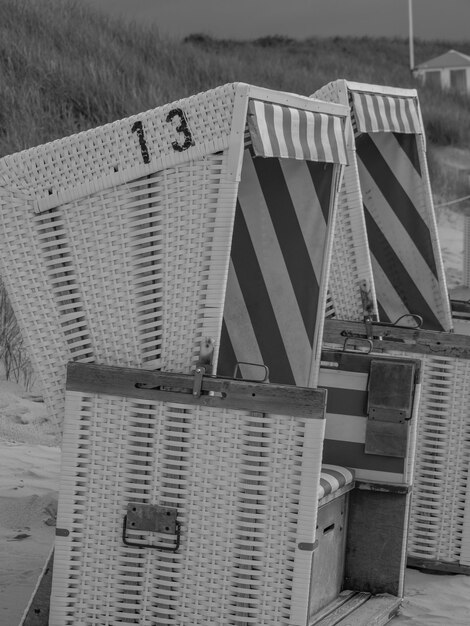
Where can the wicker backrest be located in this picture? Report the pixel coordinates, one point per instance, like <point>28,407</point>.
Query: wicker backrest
<point>115,243</point>
<point>439,528</point>
<point>388,180</point>
<point>351,283</point>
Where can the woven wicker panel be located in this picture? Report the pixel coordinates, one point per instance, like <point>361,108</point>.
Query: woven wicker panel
<point>393,289</point>
<point>439,528</point>
<point>103,157</point>
<point>351,268</point>
<point>133,275</point>
<point>245,486</point>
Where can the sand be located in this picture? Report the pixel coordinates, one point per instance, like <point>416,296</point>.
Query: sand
<point>29,483</point>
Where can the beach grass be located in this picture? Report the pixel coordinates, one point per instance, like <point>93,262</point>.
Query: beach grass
<point>65,68</point>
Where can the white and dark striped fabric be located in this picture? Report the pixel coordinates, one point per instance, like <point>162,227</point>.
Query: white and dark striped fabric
<point>460,310</point>
<point>346,378</point>
<point>275,295</point>
<point>286,132</point>
<point>402,243</point>
<point>375,113</point>
<point>333,478</point>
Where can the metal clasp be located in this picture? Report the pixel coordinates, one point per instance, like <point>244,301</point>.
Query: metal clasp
<point>151,518</point>
<point>264,367</point>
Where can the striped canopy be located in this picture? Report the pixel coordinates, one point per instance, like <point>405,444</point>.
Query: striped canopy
<point>375,112</point>
<point>286,132</point>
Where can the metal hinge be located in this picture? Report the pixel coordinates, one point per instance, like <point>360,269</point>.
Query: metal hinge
<point>151,518</point>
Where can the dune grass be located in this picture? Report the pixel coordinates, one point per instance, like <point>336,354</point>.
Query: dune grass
<point>13,355</point>
<point>65,68</point>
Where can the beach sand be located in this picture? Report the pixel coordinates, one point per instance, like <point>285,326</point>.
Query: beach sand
<point>29,483</point>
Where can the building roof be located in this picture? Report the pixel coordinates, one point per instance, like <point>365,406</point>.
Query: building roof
<point>452,58</point>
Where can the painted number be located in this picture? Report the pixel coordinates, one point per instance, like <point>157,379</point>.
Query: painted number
<point>139,129</point>
<point>181,128</point>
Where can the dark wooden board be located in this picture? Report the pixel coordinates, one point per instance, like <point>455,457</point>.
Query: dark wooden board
<point>360,361</point>
<point>392,338</point>
<point>342,608</point>
<point>439,567</point>
<point>377,531</point>
<point>169,387</point>
<point>377,611</point>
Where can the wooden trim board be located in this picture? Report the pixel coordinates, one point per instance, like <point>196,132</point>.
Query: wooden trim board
<point>225,393</point>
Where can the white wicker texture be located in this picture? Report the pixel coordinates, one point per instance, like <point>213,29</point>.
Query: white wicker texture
<point>134,275</point>
<point>351,268</point>
<point>69,168</point>
<point>336,91</point>
<point>436,292</point>
<point>438,523</point>
<point>441,293</point>
<point>245,486</point>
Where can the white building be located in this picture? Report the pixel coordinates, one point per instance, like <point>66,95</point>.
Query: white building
<point>450,70</point>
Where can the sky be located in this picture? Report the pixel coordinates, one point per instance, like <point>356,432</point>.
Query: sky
<point>248,19</point>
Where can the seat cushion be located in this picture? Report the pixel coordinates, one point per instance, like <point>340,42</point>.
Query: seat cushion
<point>333,478</point>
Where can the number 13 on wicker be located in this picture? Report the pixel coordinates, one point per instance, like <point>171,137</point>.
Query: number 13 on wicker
<point>115,243</point>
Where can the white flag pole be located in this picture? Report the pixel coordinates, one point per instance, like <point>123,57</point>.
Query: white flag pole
<point>410,24</point>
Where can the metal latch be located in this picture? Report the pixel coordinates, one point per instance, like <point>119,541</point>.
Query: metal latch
<point>151,518</point>
<point>389,407</point>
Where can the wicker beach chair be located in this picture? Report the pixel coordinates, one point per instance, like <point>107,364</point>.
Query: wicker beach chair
<point>387,180</point>
<point>133,245</point>
<point>115,243</point>
<point>389,173</point>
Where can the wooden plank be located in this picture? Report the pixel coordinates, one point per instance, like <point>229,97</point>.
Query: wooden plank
<point>341,599</point>
<point>378,610</point>
<point>327,571</point>
<point>391,388</point>
<point>367,485</point>
<point>37,612</point>
<point>336,494</point>
<point>155,386</point>
<point>387,338</point>
<point>359,361</point>
<point>441,567</point>
<point>341,611</point>
<point>386,438</point>
<point>375,542</point>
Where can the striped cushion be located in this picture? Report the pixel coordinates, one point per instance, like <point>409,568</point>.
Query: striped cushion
<point>333,478</point>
